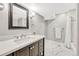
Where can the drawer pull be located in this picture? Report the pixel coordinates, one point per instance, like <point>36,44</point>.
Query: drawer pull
<point>32,47</point>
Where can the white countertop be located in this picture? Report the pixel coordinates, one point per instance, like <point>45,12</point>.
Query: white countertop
<point>11,45</point>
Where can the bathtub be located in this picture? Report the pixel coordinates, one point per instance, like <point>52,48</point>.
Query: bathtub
<point>53,48</point>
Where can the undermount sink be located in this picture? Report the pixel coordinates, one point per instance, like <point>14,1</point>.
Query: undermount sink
<point>25,39</point>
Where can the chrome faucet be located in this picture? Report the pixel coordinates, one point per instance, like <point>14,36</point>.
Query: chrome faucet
<point>17,37</point>
<point>22,35</point>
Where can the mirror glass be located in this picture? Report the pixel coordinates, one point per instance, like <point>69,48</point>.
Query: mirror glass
<point>18,16</point>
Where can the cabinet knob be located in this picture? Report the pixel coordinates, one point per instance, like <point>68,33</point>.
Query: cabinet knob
<point>33,47</point>
<point>41,53</point>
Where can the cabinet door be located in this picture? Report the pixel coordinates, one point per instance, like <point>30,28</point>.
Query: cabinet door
<point>22,52</point>
<point>34,49</point>
<point>41,47</point>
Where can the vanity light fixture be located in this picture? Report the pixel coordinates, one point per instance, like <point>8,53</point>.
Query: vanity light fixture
<point>1,6</point>
<point>32,15</point>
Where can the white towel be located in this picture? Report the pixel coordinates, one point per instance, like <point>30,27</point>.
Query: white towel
<point>68,33</point>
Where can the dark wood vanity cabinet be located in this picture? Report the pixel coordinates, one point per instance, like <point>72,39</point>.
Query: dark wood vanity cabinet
<point>22,52</point>
<point>35,49</point>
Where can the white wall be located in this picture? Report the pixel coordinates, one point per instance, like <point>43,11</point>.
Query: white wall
<point>4,24</point>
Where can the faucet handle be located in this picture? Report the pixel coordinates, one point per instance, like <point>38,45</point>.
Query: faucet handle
<point>16,37</point>
<point>34,33</point>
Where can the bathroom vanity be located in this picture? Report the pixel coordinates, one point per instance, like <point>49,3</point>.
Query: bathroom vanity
<point>31,46</point>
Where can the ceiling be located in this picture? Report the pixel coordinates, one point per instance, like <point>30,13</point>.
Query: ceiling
<point>48,10</point>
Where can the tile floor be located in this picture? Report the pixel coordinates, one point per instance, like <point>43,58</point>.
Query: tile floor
<point>53,48</point>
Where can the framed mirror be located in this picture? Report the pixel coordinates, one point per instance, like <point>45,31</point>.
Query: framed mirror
<point>18,17</point>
